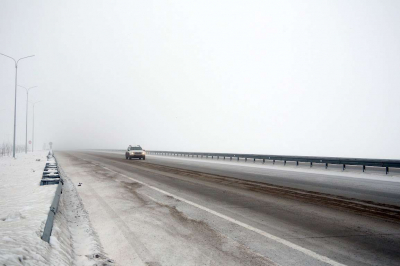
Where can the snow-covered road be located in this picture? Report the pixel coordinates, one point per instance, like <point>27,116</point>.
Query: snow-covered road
<point>148,214</point>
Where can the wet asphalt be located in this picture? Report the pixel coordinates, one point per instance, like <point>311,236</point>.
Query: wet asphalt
<point>337,233</point>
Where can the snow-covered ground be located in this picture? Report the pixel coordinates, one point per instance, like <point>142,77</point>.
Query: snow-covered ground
<point>24,206</point>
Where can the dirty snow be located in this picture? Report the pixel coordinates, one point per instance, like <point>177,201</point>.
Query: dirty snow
<point>84,241</point>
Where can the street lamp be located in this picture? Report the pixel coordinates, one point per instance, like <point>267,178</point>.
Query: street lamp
<point>26,127</point>
<point>33,123</point>
<point>15,103</point>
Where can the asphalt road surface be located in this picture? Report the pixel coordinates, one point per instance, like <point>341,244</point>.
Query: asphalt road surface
<point>175,211</point>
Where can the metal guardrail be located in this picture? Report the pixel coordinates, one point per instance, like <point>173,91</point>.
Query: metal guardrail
<point>53,210</point>
<point>304,159</point>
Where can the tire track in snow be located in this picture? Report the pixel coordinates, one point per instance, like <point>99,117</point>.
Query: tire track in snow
<point>143,253</point>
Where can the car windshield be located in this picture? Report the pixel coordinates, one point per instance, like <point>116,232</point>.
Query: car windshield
<point>136,148</point>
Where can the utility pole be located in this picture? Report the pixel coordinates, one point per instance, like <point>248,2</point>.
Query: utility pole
<point>33,124</point>
<point>26,127</point>
<point>15,103</point>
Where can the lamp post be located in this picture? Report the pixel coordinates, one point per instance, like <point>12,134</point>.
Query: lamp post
<point>33,124</point>
<point>26,127</point>
<point>15,103</point>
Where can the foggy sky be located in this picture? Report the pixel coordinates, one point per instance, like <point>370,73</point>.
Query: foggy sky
<point>272,77</point>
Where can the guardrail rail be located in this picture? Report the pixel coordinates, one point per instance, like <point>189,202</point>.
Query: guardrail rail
<point>304,159</point>
<point>51,176</point>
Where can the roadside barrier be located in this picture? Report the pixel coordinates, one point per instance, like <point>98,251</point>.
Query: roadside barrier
<point>50,173</point>
<point>308,159</point>
<point>51,176</point>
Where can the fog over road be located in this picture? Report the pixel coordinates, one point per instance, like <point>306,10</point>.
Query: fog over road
<point>175,211</point>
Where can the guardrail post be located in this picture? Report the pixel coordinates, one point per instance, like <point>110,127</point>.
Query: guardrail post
<point>297,163</point>
<point>263,160</point>
<point>363,168</point>
<point>254,159</point>
<point>387,170</point>
<point>224,157</point>
<point>310,164</point>
<point>326,165</point>
<point>273,161</point>
<point>245,159</point>
<point>212,157</point>
<point>284,162</point>
<point>231,158</point>
<point>238,158</point>
<point>344,167</point>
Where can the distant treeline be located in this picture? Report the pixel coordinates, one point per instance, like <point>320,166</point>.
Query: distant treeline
<point>6,149</point>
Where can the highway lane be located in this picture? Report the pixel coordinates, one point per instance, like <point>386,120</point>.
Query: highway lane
<point>371,186</point>
<point>314,180</point>
<point>339,234</point>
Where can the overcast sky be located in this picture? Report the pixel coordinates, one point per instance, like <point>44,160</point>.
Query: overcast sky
<point>272,77</point>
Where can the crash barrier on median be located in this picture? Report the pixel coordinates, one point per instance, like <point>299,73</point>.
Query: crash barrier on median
<point>50,173</point>
<point>304,159</point>
<point>51,176</point>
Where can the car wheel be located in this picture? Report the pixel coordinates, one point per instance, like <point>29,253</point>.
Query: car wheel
<point>144,158</point>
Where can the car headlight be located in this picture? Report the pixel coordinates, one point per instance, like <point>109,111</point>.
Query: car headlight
<point>143,152</point>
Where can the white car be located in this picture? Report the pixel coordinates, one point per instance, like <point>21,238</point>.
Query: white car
<point>135,152</point>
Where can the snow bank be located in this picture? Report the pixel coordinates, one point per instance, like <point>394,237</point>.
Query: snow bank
<point>24,206</point>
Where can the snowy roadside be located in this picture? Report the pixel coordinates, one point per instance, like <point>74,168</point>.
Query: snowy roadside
<point>24,206</point>
<point>73,216</point>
